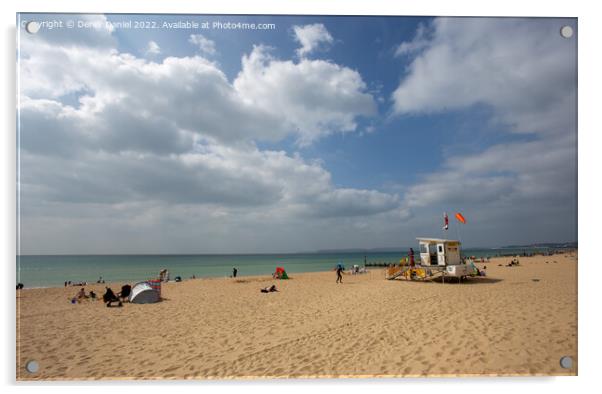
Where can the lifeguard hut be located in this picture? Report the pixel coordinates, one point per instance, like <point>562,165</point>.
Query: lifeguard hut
<point>442,254</point>
<point>439,252</point>
<point>438,257</point>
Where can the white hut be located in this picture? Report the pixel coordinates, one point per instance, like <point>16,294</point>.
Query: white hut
<point>443,254</point>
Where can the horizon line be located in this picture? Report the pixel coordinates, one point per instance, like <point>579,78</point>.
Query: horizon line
<point>320,251</point>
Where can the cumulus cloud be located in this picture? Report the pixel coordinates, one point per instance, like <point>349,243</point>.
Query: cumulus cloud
<point>269,100</point>
<point>512,65</point>
<point>141,145</point>
<point>153,48</point>
<point>315,97</point>
<point>205,45</point>
<point>526,73</point>
<point>311,37</point>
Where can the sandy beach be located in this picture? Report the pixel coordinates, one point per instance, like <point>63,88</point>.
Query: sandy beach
<point>515,321</point>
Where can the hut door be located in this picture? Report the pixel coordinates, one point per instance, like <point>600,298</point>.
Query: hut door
<point>440,254</point>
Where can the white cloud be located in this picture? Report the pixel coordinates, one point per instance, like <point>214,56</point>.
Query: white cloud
<point>205,45</point>
<point>522,68</point>
<point>153,48</point>
<point>269,100</point>
<point>311,37</point>
<point>314,97</point>
<point>420,41</point>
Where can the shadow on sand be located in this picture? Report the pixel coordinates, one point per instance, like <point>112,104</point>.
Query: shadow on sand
<point>468,281</point>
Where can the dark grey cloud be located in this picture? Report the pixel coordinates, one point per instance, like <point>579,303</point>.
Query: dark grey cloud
<point>350,203</point>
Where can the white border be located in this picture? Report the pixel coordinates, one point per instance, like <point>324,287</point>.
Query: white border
<point>589,186</point>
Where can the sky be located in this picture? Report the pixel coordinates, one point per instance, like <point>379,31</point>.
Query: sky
<point>314,133</point>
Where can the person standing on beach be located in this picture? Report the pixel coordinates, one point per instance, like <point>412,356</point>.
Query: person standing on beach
<point>412,263</point>
<point>234,272</point>
<point>340,273</point>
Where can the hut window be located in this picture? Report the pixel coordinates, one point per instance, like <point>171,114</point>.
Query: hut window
<point>440,249</point>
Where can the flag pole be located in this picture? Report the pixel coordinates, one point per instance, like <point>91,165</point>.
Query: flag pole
<point>445,225</point>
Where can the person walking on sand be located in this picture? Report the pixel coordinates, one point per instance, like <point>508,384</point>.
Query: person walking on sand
<point>234,272</point>
<point>340,273</point>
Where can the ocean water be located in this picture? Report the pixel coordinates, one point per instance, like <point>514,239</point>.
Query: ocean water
<point>54,270</point>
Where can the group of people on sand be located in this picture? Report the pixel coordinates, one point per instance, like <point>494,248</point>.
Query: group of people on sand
<point>109,297</point>
<point>75,284</point>
<point>81,296</point>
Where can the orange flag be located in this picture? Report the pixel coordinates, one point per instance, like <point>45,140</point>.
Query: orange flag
<point>460,218</point>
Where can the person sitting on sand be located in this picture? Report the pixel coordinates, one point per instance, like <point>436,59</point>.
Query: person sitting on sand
<point>81,295</point>
<point>125,292</point>
<point>109,297</point>
<point>92,295</point>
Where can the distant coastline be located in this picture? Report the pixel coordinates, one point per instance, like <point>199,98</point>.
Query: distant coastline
<point>547,245</point>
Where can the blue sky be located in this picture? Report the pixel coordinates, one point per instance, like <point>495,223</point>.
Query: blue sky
<point>327,132</point>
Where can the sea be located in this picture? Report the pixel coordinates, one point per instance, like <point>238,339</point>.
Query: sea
<point>54,270</point>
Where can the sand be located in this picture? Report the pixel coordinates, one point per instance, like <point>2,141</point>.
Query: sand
<point>504,324</point>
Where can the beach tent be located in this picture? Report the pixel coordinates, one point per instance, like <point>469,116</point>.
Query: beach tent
<point>280,273</point>
<point>144,293</point>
